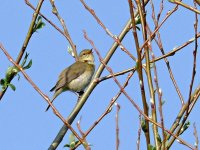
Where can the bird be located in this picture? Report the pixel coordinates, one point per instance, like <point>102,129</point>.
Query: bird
<point>77,76</point>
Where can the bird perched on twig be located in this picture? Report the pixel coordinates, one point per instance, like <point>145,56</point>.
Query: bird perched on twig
<point>76,77</point>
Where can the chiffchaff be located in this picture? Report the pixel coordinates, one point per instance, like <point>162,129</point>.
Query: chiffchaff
<point>76,77</point>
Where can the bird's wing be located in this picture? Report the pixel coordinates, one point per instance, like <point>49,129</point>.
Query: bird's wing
<point>70,73</point>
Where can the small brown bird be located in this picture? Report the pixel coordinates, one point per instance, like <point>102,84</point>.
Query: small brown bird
<point>76,77</point>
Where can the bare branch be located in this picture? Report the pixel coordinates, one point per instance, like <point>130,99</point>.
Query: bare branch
<point>67,35</point>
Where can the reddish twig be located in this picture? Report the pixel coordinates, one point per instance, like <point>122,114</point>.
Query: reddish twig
<point>140,71</point>
<point>117,126</point>
<point>196,137</point>
<point>66,32</point>
<point>194,61</point>
<point>178,2</point>
<point>139,133</point>
<point>86,145</point>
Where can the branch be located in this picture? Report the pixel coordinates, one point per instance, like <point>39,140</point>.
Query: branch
<point>67,35</point>
<point>185,5</point>
<point>117,126</point>
<point>140,72</point>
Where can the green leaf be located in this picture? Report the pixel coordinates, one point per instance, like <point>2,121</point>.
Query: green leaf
<point>70,51</point>
<point>163,102</point>
<point>137,28</point>
<point>143,125</point>
<point>136,65</point>
<point>66,145</point>
<point>151,147</point>
<point>24,60</point>
<point>78,142</point>
<point>71,138</point>
<point>159,139</point>
<point>11,86</point>
<point>28,65</point>
<point>172,1</point>
<point>39,18</point>
<point>3,88</point>
<point>137,20</point>
<point>38,24</point>
<point>185,127</point>
<point>72,145</point>
<point>11,71</point>
<point>2,82</point>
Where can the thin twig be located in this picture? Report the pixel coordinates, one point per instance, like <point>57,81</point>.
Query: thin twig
<point>161,10</point>
<point>117,126</point>
<point>66,32</point>
<point>194,61</point>
<point>139,133</point>
<point>196,137</point>
<point>140,72</point>
<point>159,93</point>
<point>149,75</point>
<point>185,5</point>
<point>115,74</point>
<point>86,145</point>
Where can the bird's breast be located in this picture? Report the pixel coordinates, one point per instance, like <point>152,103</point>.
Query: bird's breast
<point>80,83</point>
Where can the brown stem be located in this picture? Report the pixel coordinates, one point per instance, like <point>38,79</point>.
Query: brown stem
<point>140,72</point>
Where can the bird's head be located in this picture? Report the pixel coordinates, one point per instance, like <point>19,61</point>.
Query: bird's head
<point>86,55</point>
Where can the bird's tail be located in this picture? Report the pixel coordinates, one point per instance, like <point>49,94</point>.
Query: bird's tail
<point>49,105</point>
<point>55,95</point>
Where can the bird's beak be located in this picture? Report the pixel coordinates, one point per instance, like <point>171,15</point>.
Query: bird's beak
<point>91,50</point>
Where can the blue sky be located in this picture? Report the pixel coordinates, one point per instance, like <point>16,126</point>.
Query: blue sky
<point>24,122</point>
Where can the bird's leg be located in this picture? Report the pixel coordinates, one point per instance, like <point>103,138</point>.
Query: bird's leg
<point>79,94</point>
